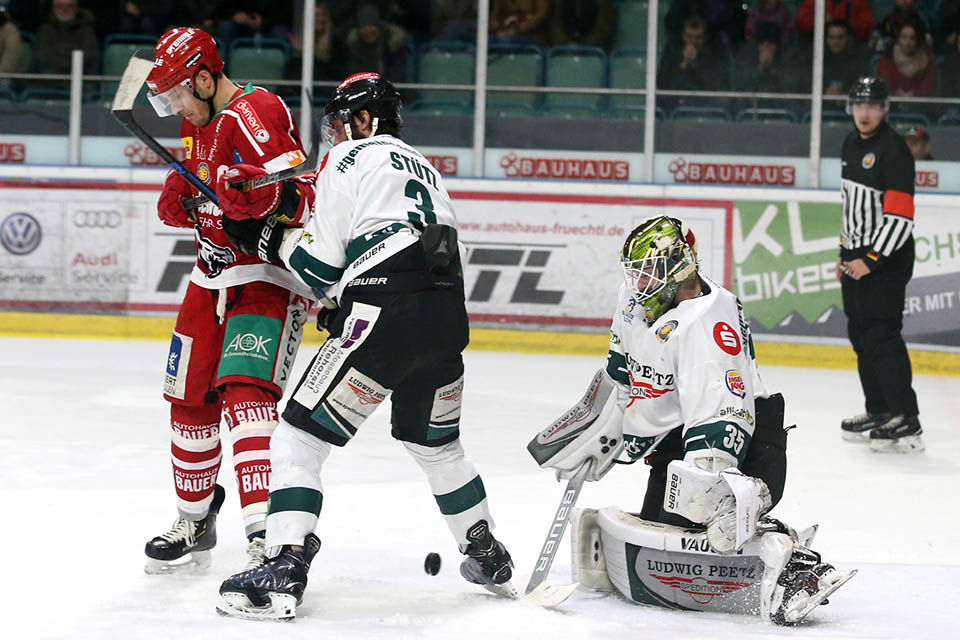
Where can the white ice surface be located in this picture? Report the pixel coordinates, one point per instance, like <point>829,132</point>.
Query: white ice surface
<point>85,480</point>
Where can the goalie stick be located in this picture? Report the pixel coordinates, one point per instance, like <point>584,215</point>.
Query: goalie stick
<point>538,592</point>
<point>141,62</point>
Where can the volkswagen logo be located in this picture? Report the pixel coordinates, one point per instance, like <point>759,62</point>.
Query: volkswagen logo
<point>20,233</point>
<point>103,219</point>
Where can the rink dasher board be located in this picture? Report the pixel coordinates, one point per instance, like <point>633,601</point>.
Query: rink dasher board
<point>539,254</point>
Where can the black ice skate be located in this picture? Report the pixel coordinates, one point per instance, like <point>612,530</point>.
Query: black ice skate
<point>899,434</point>
<point>857,428</point>
<point>195,538</point>
<point>804,584</point>
<point>273,590</point>
<point>487,563</point>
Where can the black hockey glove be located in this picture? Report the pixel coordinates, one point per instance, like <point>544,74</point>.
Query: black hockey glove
<point>259,237</point>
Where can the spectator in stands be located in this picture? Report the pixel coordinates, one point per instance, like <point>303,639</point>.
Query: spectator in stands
<point>587,23</point>
<point>252,19</point>
<point>67,28</point>
<point>327,59</point>
<point>519,21</point>
<point>856,13</point>
<point>696,62</point>
<point>771,12</point>
<point>765,66</point>
<point>725,18</point>
<point>10,45</point>
<point>903,12</point>
<point>376,45</point>
<point>946,27</point>
<point>844,61</point>
<point>909,68</point>
<point>454,21</point>
<point>919,142</point>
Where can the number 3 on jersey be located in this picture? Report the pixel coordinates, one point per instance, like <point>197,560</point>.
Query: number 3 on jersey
<point>424,215</point>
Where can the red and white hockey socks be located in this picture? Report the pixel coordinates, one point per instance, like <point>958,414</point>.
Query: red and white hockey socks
<point>195,453</point>
<point>251,415</point>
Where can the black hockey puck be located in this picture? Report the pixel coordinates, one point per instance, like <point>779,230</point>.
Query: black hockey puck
<point>431,564</point>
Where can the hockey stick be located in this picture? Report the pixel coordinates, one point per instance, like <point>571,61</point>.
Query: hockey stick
<point>141,62</point>
<point>538,592</point>
<point>309,165</point>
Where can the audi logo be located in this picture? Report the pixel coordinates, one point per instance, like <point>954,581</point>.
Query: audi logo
<point>97,219</point>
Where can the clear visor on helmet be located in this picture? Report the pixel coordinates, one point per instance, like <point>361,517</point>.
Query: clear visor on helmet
<point>171,101</point>
<point>330,128</point>
<point>646,276</point>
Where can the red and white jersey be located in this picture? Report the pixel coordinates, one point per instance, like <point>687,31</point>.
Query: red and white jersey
<point>257,128</point>
<point>694,367</point>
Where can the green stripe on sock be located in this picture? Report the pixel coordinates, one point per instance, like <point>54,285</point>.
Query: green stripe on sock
<point>435,433</point>
<point>295,499</point>
<point>323,418</point>
<point>469,495</point>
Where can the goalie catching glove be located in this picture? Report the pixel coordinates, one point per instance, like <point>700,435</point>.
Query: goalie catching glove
<point>590,430</point>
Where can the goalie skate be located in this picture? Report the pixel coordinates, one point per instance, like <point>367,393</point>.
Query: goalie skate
<point>488,563</point>
<point>273,590</point>
<point>185,538</point>
<point>805,587</point>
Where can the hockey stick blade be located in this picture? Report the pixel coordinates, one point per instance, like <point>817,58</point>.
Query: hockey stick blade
<point>545,595</point>
<point>552,542</point>
<point>309,165</point>
<point>122,108</point>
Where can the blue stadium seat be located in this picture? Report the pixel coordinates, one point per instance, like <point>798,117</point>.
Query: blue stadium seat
<point>580,67</point>
<point>766,115</point>
<point>447,63</point>
<point>514,66</point>
<point>627,70</point>
<point>949,120</point>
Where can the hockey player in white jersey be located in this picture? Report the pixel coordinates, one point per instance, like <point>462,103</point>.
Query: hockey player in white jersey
<point>382,242</point>
<point>681,388</point>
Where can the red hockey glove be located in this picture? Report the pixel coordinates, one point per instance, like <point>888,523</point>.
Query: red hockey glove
<point>256,203</point>
<point>170,207</point>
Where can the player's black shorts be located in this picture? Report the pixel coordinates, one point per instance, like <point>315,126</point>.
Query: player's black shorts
<point>384,342</point>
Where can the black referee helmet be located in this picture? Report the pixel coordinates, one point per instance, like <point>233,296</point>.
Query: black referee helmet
<point>868,90</point>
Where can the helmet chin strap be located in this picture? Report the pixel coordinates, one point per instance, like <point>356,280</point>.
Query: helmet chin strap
<point>373,128</point>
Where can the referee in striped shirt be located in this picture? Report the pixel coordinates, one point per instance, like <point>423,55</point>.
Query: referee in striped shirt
<point>874,266</point>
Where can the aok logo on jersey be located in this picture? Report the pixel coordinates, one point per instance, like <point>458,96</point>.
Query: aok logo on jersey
<point>260,133</point>
<point>249,344</point>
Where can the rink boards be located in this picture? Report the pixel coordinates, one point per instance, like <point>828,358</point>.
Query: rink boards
<point>540,255</point>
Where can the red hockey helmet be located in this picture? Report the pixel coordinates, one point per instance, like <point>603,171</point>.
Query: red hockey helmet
<point>179,55</point>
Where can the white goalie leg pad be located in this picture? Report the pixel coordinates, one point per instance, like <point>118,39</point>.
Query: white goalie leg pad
<point>447,470</point>
<point>296,458</point>
<point>588,566</point>
<point>591,429</point>
<point>708,490</point>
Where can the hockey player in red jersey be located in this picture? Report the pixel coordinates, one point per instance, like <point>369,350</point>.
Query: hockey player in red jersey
<point>240,323</point>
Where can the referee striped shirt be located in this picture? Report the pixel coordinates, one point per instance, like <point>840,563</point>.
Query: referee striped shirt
<point>877,190</point>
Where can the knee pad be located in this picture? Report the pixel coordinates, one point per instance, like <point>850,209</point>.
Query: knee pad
<point>445,466</point>
<point>297,458</point>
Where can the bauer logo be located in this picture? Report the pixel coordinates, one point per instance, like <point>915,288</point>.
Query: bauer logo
<point>20,233</point>
<point>734,382</point>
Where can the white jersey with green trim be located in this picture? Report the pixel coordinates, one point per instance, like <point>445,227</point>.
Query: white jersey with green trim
<point>694,367</point>
<point>373,197</point>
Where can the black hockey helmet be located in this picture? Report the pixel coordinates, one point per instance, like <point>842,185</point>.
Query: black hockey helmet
<point>868,90</point>
<point>367,91</point>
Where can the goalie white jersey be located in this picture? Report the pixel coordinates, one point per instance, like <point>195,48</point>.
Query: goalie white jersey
<point>694,367</point>
<point>353,229</point>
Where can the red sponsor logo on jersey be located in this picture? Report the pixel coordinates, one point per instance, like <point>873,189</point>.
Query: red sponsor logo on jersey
<point>735,383</point>
<point>12,152</point>
<point>260,133</point>
<point>701,590</point>
<point>515,166</point>
<point>640,390</point>
<point>446,165</point>
<point>730,173</point>
<point>726,338</point>
<point>927,179</point>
